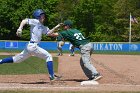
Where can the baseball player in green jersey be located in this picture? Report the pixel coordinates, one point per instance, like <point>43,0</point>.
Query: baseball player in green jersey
<point>60,43</point>
<point>85,47</point>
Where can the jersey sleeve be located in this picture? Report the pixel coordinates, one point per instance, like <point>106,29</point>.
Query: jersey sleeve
<point>33,21</point>
<point>60,38</point>
<point>60,34</point>
<point>46,30</point>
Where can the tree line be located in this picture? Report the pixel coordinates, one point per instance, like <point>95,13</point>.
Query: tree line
<point>99,20</point>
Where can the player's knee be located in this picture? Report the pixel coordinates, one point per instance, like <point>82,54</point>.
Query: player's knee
<point>18,58</point>
<point>59,47</point>
<point>49,58</point>
<point>87,65</point>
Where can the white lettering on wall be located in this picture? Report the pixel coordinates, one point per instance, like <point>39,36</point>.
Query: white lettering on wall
<point>98,46</point>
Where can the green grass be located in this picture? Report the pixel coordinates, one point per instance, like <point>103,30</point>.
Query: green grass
<point>10,51</point>
<point>32,65</point>
<point>77,52</point>
<point>18,51</point>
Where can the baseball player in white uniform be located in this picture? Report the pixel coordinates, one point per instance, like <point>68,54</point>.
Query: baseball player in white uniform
<point>32,48</point>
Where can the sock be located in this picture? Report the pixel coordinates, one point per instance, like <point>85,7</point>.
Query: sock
<point>50,68</point>
<point>72,51</point>
<point>7,60</point>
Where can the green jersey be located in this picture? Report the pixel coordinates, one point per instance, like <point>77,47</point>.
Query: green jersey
<point>74,36</point>
<point>59,38</point>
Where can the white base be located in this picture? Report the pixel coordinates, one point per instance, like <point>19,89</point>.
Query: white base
<point>92,82</point>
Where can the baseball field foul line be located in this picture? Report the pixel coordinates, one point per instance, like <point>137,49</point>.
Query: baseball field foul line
<point>102,87</point>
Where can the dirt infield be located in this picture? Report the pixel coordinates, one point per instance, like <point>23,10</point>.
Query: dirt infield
<point>120,73</point>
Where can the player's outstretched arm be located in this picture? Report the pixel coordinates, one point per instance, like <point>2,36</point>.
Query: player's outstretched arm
<point>19,30</point>
<point>53,34</point>
<point>55,28</point>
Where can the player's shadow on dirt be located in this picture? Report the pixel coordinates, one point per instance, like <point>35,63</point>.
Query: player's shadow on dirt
<point>76,80</point>
<point>36,83</point>
<point>29,82</point>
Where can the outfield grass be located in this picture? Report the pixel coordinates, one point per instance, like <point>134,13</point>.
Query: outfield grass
<point>94,52</point>
<point>32,65</point>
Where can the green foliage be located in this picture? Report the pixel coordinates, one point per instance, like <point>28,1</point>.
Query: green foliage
<point>122,10</point>
<point>84,15</point>
<point>101,20</point>
<point>13,11</point>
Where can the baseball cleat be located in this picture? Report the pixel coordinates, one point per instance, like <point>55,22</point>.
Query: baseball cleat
<point>71,55</point>
<point>55,78</point>
<point>59,54</point>
<point>96,77</point>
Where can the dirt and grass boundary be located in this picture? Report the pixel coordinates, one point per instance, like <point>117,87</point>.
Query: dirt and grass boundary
<point>120,75</point>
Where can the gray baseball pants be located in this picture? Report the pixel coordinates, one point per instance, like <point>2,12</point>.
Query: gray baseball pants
<point>85,60</point>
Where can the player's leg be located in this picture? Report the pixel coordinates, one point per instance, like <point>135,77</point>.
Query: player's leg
<point>35,50</point>
<point>71,49</point>
<point>88,68</point>
<point>86,71</point>
<point>59,48</point>
<point>22,56</point>
<point>6,60</point>
<point>17,58</point>
<point>61,43</point>
<point>41,53</point>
